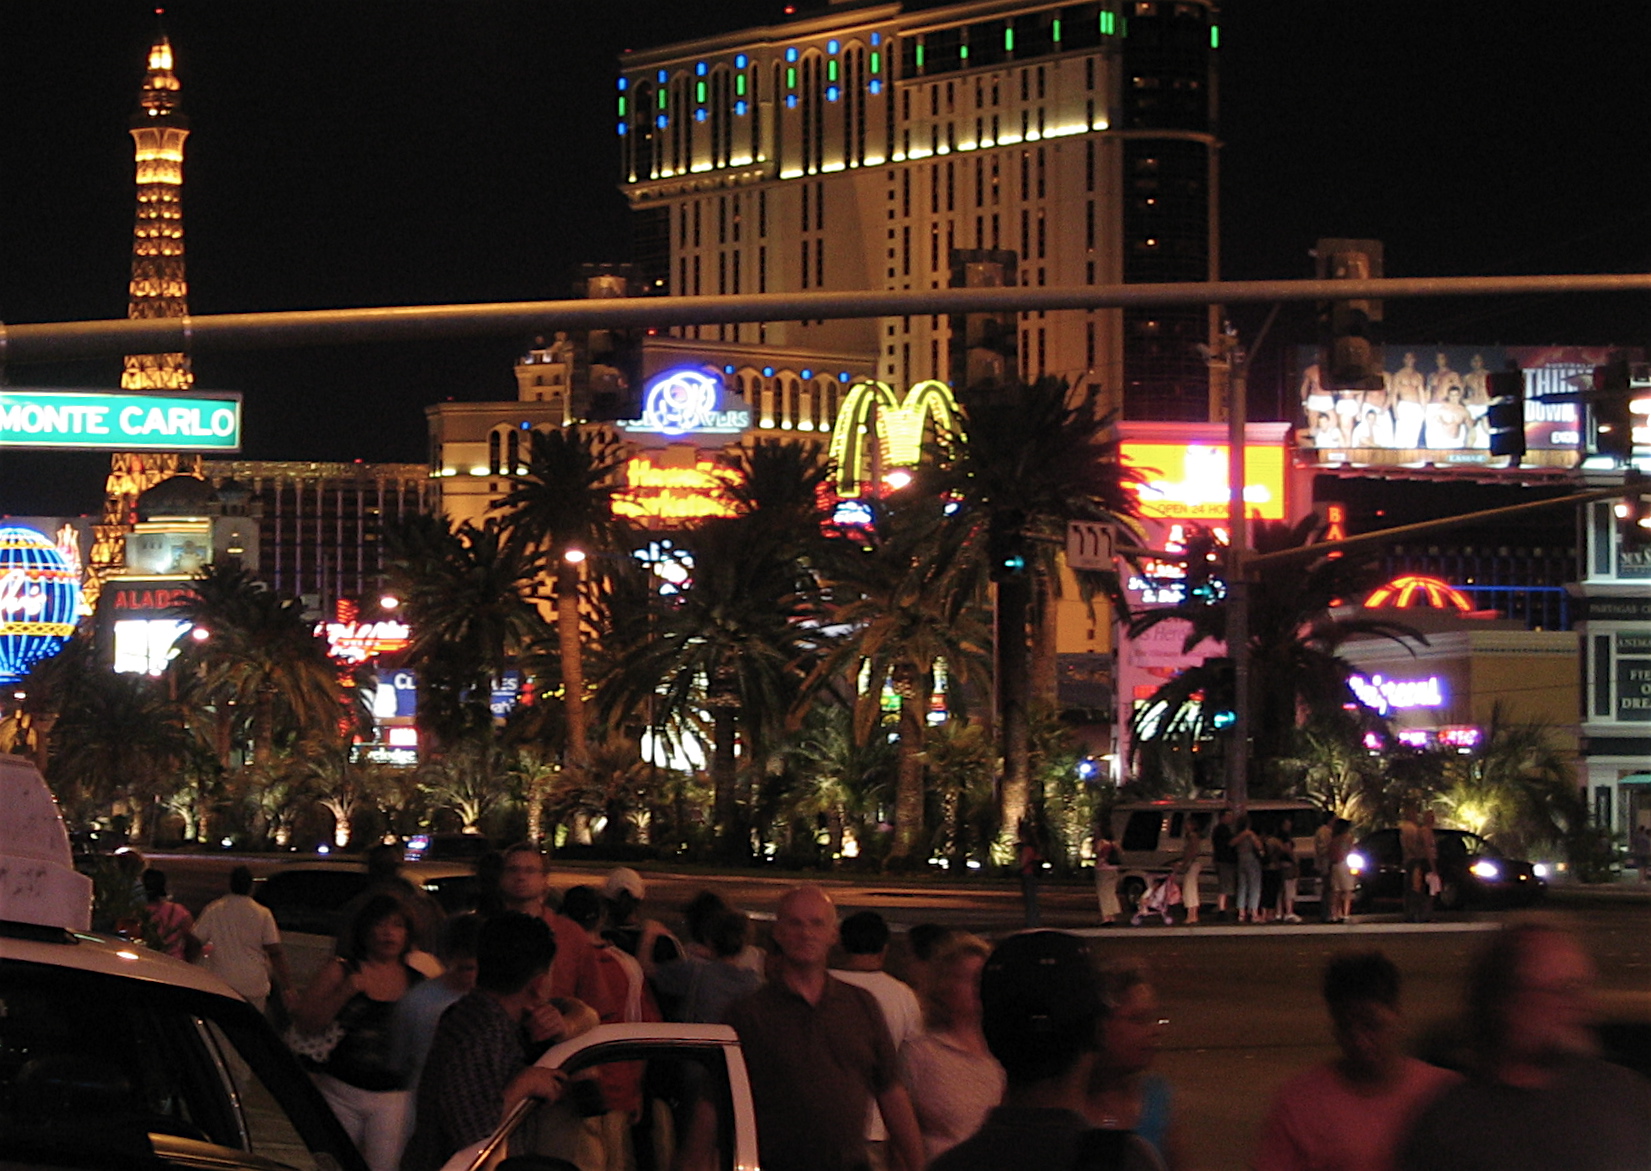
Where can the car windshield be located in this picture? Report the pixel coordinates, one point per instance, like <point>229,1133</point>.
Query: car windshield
<point>100,1071</point>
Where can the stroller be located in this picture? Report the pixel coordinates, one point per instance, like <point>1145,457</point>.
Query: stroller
<point>1157,899</point>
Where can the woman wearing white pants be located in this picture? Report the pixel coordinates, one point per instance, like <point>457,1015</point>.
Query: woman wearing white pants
<point>1107,858</point>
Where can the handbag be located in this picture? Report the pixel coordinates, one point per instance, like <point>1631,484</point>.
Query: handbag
<point>314,1048</point>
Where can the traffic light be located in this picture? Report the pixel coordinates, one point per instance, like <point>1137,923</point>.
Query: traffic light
<point>1506,414</point>
<point>1634,515</point>
<point>1203,558</point>
<point>1007,547</point>
<point>985,347</point>
<point>608,362</point>
<point>1350,343</point>
<point>1613,425</point>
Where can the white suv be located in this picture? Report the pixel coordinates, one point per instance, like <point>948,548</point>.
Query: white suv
<point>112,1055</point>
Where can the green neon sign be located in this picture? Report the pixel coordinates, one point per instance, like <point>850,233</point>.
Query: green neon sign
<point>94,421</point>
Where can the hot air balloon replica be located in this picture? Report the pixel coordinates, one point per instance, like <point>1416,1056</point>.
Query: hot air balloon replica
<point>39,600</point>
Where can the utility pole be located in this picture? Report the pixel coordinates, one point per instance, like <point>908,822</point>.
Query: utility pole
<point>1232,358</point>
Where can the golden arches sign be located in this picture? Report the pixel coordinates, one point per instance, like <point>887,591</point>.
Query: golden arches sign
<point>901,423</point>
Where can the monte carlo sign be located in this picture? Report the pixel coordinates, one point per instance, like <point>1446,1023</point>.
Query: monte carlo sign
<point>205,421</point>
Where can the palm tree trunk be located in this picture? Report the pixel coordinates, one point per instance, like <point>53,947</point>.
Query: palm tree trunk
<point>908,793</point>
<point>1014,692</point>
<point>1045,631</point>
<point>570,639</point>
<point>724,778</point>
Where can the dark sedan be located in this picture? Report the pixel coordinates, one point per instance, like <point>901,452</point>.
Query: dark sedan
<point>1472,872</point>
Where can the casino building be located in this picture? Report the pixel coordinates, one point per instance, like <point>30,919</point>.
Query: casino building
<point>861,147</point>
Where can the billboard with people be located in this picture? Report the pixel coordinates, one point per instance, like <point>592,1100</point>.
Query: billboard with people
<point>1432,405</point>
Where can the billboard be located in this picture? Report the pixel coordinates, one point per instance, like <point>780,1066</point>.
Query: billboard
<point>1431,407</point>
<point>1188,481</point>
<point>97,421</point>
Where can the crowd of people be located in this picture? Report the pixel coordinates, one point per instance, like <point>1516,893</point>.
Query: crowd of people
<point>422,1031</point>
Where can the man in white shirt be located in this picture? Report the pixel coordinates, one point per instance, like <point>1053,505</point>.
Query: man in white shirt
<point>865,939</point>
<point>243,945</point>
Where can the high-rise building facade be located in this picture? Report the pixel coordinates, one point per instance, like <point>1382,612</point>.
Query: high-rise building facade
<point>860,147</point>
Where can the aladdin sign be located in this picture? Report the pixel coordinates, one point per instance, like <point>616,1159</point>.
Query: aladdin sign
<point>687,402</point>
<point>122,422</point>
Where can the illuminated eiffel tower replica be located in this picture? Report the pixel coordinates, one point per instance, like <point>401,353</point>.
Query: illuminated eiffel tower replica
<point>158,289</point>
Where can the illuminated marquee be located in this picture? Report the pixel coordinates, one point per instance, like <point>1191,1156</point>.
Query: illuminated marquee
<point>1188,481</point>
<point>683,402</point>
<point>902,423</point>
<point>655,493</point>
<point>1414,590</point>
<point>1385,695</point>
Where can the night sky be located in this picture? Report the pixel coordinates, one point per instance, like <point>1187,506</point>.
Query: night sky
<point>380,152</point>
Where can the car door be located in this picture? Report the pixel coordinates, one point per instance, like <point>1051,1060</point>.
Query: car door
<point>658,1097</point>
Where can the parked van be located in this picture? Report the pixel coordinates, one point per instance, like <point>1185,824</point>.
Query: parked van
<point>1152,834</point>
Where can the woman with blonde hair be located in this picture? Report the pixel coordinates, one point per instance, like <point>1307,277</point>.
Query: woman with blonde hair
<point>953,1079</point>
<point>1122,1094</point>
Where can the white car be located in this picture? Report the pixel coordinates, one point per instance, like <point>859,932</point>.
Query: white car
<point>115,1056</point>
<point>688,1087</point>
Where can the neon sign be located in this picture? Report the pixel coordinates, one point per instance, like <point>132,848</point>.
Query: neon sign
<point>681,402</point>
<point>901,424</point>
<point>356,642</point>
<point>658,493</point>
<point>351,641</point>
<point>1416,590</point>
<point>1385,695</point>
<point>1188,481</point>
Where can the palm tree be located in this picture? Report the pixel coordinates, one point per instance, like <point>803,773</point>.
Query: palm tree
<point>961,761</point>
<point>1333,768</point>
<point>1296,630</point>
<point>908,596</point>
<point>1037,457</point>
<point>734,647</point>
<point>843,779</point>
<point>736,643</point>
<point>468,778</point>
<point>254,650</point>
<point>121,738</point>
<point>561,513</point>
<point>611,788</point>
<point>469,596</point>
<point>1516,788</point>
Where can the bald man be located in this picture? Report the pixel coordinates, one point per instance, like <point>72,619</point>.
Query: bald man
<point>819,1054</point>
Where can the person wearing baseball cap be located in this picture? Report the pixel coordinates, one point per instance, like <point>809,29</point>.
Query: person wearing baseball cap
<point>1041,1011</point>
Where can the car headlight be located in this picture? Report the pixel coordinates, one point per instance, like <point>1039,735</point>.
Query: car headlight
<point>1540,869</point>
<point>1486,869</point>
<point>1356,863</point>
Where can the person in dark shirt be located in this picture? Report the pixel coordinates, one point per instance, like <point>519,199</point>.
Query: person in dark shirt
<point>477,1069</point>
<point>819,1054</point>
<point>1041,1012</point>
<point>1226,862</point>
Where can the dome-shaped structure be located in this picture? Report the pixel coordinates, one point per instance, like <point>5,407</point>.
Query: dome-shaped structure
<point>39,600</point>
<point>177,498</point>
